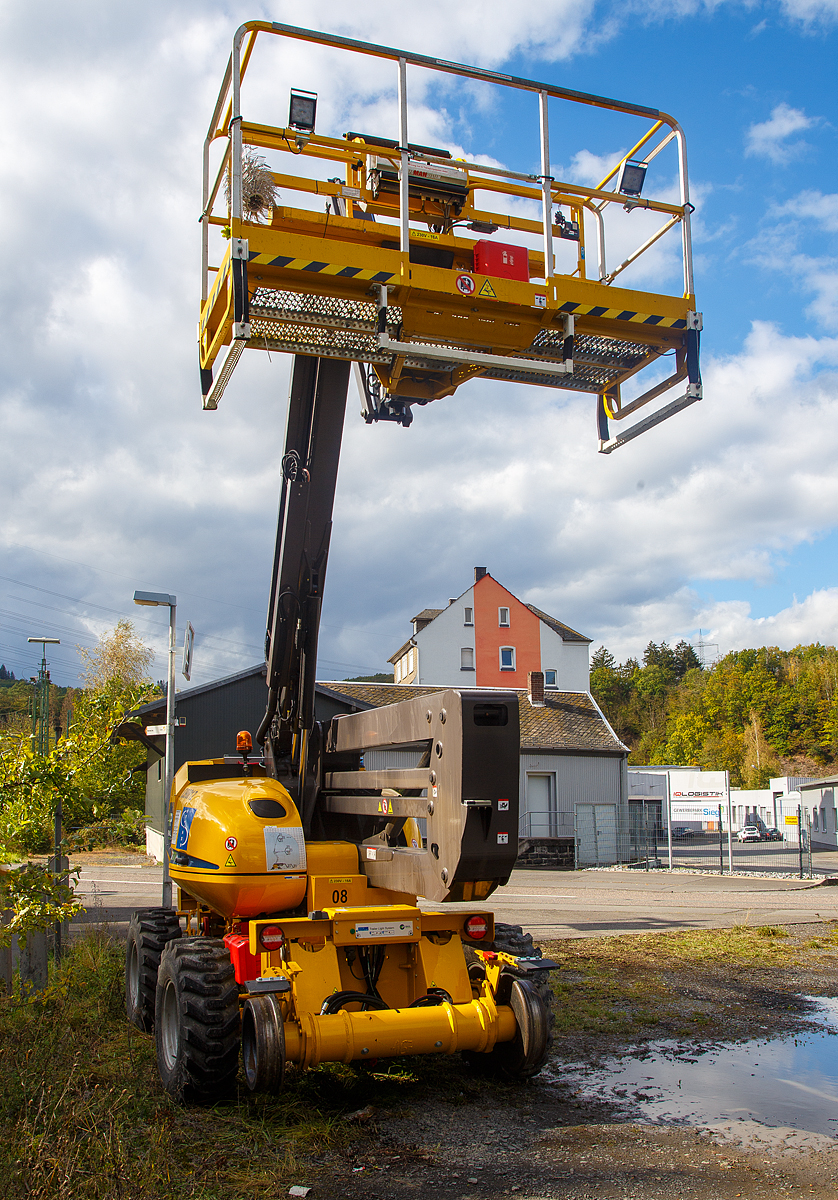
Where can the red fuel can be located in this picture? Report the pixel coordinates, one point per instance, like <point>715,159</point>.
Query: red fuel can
<point>506,262</point>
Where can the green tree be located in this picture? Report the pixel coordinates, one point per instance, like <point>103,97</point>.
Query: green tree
<point>686,734</point>
<point>92,770</point>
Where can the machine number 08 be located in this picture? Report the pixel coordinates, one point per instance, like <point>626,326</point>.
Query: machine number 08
<point>339,897</point>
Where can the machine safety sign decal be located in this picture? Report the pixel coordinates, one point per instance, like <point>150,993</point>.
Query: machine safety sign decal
<point>230,862</point>
<point>285,848</point>
<point>465,285</point>
<point>503,839</point>
<point>231,843</point>
<point>382,929</point>
<point>488,290</point>
<point>184,824</point>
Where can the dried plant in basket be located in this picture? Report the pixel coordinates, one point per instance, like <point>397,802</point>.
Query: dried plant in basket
<point>259,192</point>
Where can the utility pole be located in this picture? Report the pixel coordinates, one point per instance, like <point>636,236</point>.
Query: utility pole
<point>40,706</point>
<point>40,745</point>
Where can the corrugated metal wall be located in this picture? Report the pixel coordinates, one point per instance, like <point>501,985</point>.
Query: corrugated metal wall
<point>576,779</point>
<point>215,716</point>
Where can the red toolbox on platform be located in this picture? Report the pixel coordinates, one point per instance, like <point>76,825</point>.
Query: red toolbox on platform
<point>507,262</point>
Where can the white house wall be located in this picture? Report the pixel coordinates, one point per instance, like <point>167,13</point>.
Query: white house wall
<point>439,645</point>
<point>568,659</point>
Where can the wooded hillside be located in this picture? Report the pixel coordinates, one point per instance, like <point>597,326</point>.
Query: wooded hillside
<point>756,713</point>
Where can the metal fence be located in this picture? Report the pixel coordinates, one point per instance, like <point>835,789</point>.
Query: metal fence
<point>642,840</point>
<point>787,850</point>
<point>603,839</point>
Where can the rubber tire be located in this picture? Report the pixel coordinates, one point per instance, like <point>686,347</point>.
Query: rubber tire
<point>149,930</point>
<point>197,1023</point>
<point>508,1060</point>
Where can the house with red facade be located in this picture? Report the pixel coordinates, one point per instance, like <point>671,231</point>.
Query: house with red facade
<point>489,638</point>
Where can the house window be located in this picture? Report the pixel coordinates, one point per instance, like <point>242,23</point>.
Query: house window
<point>410,662</point>
<point>466,658</point>
<point>468,616</point>
<point>507,658</point>
<point>399,671</point>
<point>503,617</point>
<point>549,678</point>
<point>814,818</point>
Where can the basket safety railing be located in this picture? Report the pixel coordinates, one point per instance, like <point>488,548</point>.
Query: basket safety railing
<point>396,211</point>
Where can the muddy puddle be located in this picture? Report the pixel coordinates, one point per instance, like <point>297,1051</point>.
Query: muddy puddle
<point>790,1082</point>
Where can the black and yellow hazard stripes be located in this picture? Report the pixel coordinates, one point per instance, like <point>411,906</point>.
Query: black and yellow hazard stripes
<point>622,314</point>
<point>320,268</point>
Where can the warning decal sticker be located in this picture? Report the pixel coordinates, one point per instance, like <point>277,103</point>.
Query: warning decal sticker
<point>488,290</point>
<point>285,848</point>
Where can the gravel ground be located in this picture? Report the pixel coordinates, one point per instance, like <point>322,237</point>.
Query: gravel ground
<point>477,1140</point>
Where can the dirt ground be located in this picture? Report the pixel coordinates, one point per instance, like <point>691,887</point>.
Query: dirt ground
<point>481,1141</point>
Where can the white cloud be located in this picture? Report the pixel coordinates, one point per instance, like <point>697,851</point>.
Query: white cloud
<point>776,250</point>
<point>813,619</point>
<point>769,139</point>
<point>114,479</point>
<point>814,206</point>
<point>811,12</point>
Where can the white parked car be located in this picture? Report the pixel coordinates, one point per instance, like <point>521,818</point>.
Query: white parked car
<point>749,833</point>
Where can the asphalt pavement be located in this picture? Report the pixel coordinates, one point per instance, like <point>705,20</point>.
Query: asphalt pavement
<point>551,904</point>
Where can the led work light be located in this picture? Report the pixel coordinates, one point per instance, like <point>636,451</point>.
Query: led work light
<point>631,180</point>
<point>302,111</point>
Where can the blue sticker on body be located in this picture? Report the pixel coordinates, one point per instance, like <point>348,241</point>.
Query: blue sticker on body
<point>184,825</point>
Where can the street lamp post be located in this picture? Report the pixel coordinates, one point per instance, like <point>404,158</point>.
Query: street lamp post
<point>155,599</point>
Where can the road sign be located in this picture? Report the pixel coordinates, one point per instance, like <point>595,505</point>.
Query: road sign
<point>188,643</point>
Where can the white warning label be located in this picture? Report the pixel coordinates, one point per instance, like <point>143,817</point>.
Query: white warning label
<point>285,848</point>
<point>385,929</point>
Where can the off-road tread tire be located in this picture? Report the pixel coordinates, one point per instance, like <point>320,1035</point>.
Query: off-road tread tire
<point>511,939</point>
<point>149,929</point>
<point>209,1021</point>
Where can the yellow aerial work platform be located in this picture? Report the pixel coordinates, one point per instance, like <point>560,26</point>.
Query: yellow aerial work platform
<point>390,261</point>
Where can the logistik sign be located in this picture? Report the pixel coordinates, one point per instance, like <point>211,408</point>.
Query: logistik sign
<point>699,795</point>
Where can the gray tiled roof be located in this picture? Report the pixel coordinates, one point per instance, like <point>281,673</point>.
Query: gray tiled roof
<point>564,631</point>
<point>569,721</point>
<point>427,614</point>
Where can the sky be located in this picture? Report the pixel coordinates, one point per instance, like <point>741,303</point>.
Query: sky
<point>721,524</point>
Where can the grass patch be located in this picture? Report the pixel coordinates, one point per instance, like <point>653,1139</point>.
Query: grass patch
<point>83,1115</point>
<point>626,986</point>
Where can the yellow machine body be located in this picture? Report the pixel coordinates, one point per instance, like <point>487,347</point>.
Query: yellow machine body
<point>232,865</point>
<point>238,848</point>
<point>228,857</point>
<point>426,955</point>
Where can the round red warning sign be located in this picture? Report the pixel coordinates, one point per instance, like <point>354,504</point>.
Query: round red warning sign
<point>231,843</point>
<point>465,284</point>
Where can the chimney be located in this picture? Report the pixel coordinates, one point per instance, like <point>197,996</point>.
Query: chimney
<point>535,688</point>
<point>451,600</point>
<point>479,572</point>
